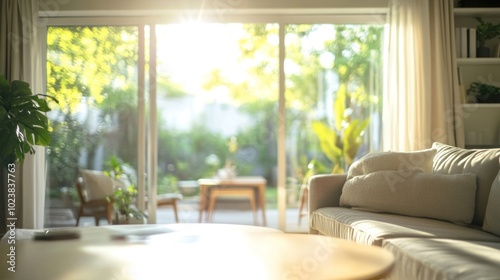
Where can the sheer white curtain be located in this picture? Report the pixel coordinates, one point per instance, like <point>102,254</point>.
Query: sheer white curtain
<point>21,60</point>
<point>422,96</point>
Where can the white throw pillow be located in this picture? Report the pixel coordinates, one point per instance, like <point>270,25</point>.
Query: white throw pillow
<point>404,162</point>
<point>443,197</point>
<point>96,184</point>
<point>492,215</point>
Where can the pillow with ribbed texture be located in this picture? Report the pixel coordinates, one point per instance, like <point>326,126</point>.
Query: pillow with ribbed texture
<point>397,161</point>
<point>492,215</point>
<point>482,162</point>
<point>419,194</point>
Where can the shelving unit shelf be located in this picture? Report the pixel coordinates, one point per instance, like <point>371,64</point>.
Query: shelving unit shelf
<point>478,61</point>
<point>481,121</point>
<point>471,12</point>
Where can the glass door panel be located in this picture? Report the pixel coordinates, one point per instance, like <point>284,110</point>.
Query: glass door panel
<point>333,77</point>
<point>217,97</point>
<point>92,72</point>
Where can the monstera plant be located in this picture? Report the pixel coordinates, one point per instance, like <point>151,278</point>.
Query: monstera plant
<point>23,122</point>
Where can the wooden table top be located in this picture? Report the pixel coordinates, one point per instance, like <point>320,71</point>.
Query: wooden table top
<point>193,251</point>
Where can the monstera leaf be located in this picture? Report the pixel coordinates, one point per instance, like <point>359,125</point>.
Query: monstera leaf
<point>23,122</point>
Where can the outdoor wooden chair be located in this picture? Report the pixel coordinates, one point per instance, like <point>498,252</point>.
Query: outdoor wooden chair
<point>98,208</point>
<point>169,199</point>
<point>303,201</point>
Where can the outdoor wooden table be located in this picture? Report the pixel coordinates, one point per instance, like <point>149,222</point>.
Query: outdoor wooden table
<point>257,182</point>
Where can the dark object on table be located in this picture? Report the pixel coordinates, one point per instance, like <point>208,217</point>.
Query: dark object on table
<point>56,234</point>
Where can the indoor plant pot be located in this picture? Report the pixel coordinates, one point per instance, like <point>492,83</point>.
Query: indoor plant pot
<point>485,31</point>
<point>483,93</point>
<point>125,211</point>
<point>125,193</point>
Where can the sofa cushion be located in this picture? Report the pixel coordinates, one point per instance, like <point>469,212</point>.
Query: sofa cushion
<point>433,259</point>
<point>372,228</point>
<point>482,162</point>
<point>398,161</point>
<point>419,194</point>
<point>492,215</point>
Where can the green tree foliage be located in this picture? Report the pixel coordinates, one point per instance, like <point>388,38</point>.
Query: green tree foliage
<point>357,60</point>
<point>92,70</point>
<point>90,61</point>
<point>355,53</point>
<point>259,52</point>
<point>183,153</point>
<point>257,143</point>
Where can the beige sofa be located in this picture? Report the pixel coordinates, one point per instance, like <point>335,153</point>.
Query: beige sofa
<point>436,210</point>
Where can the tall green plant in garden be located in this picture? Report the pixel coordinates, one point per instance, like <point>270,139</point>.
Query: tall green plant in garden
<point>340,143</point>
<point>356,54</point>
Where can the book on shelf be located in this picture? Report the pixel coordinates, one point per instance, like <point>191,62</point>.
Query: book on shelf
<point>458,40</point>
<point>466,42</point>
<point>471,32</point>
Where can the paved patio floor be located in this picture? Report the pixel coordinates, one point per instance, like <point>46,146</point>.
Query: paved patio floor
<point>227,211</point>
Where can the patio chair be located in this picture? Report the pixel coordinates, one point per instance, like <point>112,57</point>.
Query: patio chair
<point>304,194</point>
<point>97,208</point>
<point>169,199</point>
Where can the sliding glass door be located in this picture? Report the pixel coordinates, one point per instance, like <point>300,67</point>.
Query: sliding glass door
<point>217,101</point>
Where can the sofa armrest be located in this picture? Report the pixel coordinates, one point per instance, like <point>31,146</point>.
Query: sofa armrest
<point>325,191</point>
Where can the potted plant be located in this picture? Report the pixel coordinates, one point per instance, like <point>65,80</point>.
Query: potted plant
<point>123,202</point>
<point>23,122</point>
<point>485,31</point>
<point>125,193</point>
<point>483,93</point>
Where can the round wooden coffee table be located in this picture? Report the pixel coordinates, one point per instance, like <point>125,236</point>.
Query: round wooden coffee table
<point>195,251</point>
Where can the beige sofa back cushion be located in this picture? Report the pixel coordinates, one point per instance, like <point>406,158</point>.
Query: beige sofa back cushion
<point>483,163</point>
<point>397,161</point>
<point>492,215</point>
<point>419,194</point>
